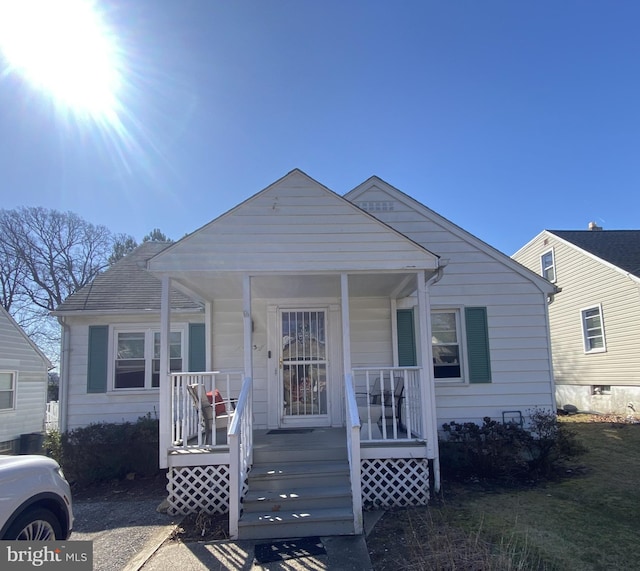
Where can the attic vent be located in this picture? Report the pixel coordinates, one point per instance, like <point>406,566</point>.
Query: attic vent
<point>377,205</point>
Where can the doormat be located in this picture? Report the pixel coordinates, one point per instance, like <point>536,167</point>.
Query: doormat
<point>290,431</point>
<point>289,549</point>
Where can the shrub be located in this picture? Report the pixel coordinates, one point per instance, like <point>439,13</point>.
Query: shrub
<point>52,445</point>
<point>108,451</point>
<point>506,451</point>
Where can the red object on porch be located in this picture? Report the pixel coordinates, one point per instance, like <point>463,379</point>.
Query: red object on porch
<point>220,406</point>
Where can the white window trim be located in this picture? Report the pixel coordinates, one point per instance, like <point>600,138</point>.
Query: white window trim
<point>148,331</point>
<point>15,391</point>
<point>553,265</point>
<point>583,325</point>
<point>458,310</point>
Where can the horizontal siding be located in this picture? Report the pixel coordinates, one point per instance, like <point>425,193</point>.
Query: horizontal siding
<point>586,282</point>
<point>371,342</point>
<point>516,311</point>
<point>18,355</point>
<point>113,406</point>
<point>295,216</point>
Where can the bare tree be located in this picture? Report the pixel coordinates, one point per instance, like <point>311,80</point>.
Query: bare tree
<point>45,256</point>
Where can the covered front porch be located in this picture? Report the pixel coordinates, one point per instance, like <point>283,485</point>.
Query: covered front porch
<point>303,364</point>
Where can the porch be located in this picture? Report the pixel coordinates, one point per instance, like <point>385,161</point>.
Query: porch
<point>311,479</point>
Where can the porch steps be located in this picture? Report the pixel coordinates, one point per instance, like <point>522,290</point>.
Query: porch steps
<point>298,490</point>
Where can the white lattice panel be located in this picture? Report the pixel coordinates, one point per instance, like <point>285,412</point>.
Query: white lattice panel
<point>390,482</point>
<point>198,489</point>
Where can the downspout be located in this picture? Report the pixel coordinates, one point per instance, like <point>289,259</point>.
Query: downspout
<point>428,368</point>
<point>64,376</point>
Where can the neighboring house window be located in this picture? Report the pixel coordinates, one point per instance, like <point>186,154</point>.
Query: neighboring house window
<point>137,358</point>
<point>445,337</point>
<point>7,390</point>
<point>547,263</point>
<point>593,330</point>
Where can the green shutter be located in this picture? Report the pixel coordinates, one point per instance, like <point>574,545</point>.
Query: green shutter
<point>478,344</point>
<point>98,359</point>
<point>197,348</point>
<point>406,338</point>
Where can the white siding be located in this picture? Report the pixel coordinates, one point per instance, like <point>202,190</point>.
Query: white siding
<point>516,311</point>
<point>294,225</point>
<point>84,408</point>
<point>17,354</point>
<point>587,282</point>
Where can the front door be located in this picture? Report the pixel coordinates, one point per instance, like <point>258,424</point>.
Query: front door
<point>303,366</point>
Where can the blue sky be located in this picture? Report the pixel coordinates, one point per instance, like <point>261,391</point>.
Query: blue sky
<point>506,117</point>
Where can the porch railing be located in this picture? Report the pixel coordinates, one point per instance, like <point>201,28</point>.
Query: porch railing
<point>240,453</point>
<point>389,402</point>
<point>196,417</point>
<point>353,449</point>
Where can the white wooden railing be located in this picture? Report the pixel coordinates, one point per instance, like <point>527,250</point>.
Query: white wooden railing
<point>353,450</point>
<point>389,402</point>
<point>189,427</point>
<point>51,419</point>
<point>240,453</point>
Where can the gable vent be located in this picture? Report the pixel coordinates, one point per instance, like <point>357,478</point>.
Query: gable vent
<point>377,205</point>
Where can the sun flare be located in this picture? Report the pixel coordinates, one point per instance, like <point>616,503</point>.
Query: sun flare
<point>64,49</point>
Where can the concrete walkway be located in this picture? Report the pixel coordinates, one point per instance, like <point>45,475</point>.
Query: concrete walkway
<point>131,535</point>
<point>343,553</point>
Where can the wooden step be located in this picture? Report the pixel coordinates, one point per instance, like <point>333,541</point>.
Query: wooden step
<point>297,499</point>
<point>298,523</point>
<point>283,476</point>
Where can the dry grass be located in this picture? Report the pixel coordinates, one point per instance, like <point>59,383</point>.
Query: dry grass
<point>586,520</point>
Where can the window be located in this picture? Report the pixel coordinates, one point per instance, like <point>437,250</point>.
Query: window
<point>137,358</point>
<point>593,330</point>
<point>548,266</point>
<point>445,339</point>
<point>7,390</point>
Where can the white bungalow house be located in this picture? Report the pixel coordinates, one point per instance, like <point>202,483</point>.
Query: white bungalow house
<point>23,386</point>
<point>285,346</point>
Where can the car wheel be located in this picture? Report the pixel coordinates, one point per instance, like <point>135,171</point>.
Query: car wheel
<point>36,524</point>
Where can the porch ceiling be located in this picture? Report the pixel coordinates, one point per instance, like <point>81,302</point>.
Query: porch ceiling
<point>211,286</point>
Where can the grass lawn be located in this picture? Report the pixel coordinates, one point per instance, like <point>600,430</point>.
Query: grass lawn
<point>589,519</point>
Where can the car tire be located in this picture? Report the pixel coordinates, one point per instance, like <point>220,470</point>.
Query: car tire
<point>35,524</point>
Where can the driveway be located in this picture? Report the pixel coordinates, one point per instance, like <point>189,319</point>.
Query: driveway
<point>122,531</point>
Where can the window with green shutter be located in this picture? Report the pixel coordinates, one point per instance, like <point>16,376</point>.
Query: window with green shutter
<point>406,338</point>
<point>98,359</point>
<point>478,344</point>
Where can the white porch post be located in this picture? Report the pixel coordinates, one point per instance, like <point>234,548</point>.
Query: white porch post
<point>247,326</point>
<point>346,326</point>
<point>429,414</point>
<point>165,381</point>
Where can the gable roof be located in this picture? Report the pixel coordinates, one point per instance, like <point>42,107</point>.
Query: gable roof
<point>126,286</point>
<point>7,316</point>
<point>295,224</point>
<point>620,248</point>
<point>461,233</point>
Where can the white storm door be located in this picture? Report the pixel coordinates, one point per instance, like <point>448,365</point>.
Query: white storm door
<point>303,366</point>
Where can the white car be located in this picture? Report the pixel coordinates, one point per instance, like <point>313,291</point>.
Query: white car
<point>35,499</point>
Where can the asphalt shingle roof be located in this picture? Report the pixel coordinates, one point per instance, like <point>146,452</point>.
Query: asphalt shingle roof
<point>618,247</point>
<point>126,286</point>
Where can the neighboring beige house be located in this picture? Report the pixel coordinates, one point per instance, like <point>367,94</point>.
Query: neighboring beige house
<point>23,386</point>
<point>345,329</point>
<point>595,319</point>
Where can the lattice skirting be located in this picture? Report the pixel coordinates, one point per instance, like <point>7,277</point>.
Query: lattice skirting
<point>388,482</point>
<point>195,489</point>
